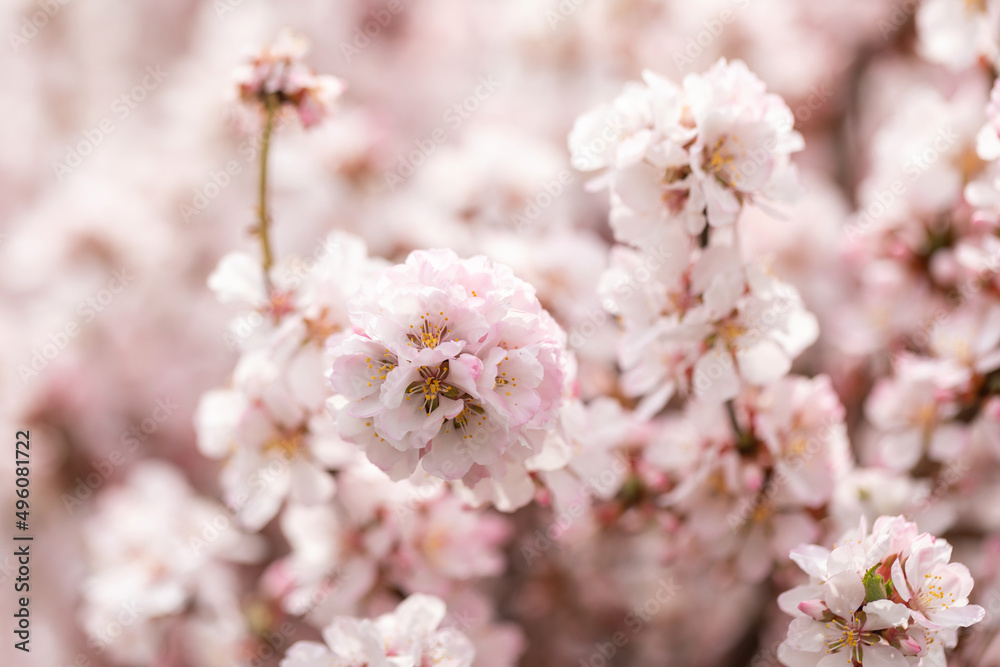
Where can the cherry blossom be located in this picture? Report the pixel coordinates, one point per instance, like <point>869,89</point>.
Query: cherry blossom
<point>690,154</point>
<point>878,598</point>
<point>958,32</point>
<point>407,637</point>
<point>647,313</point>
<point>453,363</point>
<point>276,78</point>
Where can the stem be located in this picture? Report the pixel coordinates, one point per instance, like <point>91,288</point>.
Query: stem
<point>703,237</point>
<point>744,439</point>
<point>731,411</point>
<point>263,216</point>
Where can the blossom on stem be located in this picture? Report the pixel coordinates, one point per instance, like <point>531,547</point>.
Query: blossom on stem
<point>277,79</point>
<point>453,363</point>
<point>689,155</point>
<point>884,598</point>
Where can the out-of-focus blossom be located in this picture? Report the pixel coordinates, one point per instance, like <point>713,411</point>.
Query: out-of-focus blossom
<point>988,139</point>
<point>957,33</point>
<point>407,637</point>
<point>155,549</point>
<point>912,411</point>
<point>272,426</point>
<point>689,155</point>
<point>747,495</point>
<point>277,79</point>
<point>703,325</point>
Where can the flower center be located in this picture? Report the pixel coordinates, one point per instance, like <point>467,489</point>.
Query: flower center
<point>428,334</point>
<point>469,414</point>
<point>385,365</point>
<point>431,387</point>
<point>977,6</point>
<point>286,446</point>
<point>722,163</point>
<point>798,447</point>
<point>932,595</point>
<point>502,381</point>
<point>850,636</point>
<point>731,331</point>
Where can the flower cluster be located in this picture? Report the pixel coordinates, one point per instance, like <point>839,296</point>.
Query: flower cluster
<point>407,637</point>
<point>720,347</point>
<point>158,550</point>
<point>691,154</point>
<point>698,320</point>
<point>746,488</point>
<point>697,317</point>
<point>272,426</point>
<point>886,597</point>
<point>957,33</point>
<point>277,79</point>
<point>425,539</point>
<point>454,364</point>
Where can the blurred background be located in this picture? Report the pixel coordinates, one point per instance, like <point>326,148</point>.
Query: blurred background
<point>124,178</point>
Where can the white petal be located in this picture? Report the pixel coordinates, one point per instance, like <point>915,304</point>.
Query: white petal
<point>844,593</point>
<point>883,656</point>
<point>884,614</point>
<point>763,363</point>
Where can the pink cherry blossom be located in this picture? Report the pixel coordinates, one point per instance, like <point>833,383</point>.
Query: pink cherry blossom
<point>407,637</point>
<point>453,363</point>
<point>691,154</point>
<point>277,76</point>
<point>869,594</point>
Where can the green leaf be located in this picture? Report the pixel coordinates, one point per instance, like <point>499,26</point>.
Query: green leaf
<point>876,587</point>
